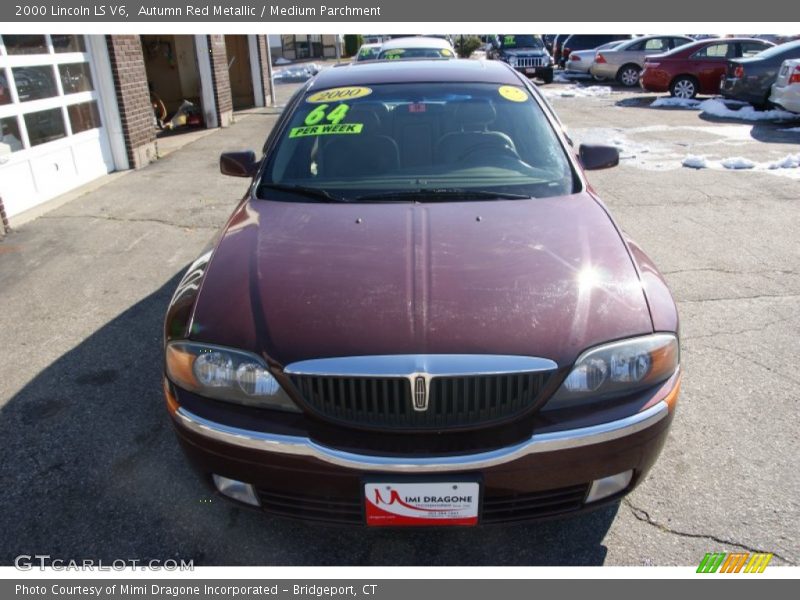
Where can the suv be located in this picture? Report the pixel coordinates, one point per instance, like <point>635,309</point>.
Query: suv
<point>420,313</point>
<point>526,53</point>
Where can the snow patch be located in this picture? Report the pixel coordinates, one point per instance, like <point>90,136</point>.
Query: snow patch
<point>718,108</point>
<point>787,162</point>
<point>577,91</point>
<point>792,129</point>
<point>695,162</point>
<point>675,103</point>
<point>737,162</point>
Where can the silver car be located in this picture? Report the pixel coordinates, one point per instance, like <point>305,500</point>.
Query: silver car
<point>625,62</point>
<point>786,89</point>
<point>580,61</point>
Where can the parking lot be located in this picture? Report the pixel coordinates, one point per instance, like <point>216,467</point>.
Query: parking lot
<point>89,466</point>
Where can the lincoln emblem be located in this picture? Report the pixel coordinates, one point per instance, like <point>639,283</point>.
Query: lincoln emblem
<point>420,394</point>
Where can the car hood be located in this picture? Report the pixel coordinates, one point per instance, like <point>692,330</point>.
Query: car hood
<point>544,277</point>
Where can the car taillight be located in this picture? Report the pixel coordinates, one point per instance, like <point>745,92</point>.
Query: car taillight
<point>795,77</point>
<point>574,57</point>
<point>600,59</point>
<point>738,72</point>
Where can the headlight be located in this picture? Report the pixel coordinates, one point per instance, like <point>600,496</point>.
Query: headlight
<point>512,60</point>
<point>225,374</point>
<point>618,369</point>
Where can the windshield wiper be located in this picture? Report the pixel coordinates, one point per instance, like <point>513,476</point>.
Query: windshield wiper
<point>442,194</point>
<point>302,190</point>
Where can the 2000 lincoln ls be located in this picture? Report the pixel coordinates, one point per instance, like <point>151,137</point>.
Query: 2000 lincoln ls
<point>421,313</point>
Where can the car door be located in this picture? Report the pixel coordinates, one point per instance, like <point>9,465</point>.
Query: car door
<point>710,63</point>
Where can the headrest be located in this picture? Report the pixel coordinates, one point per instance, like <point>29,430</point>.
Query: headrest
<point>475,112</point>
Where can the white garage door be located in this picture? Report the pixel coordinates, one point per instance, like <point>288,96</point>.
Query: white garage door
<point>52,137</point>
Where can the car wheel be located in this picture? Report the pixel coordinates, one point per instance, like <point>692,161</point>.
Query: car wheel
<point>547,77</point>
<point>599,77</point>
<point>684,87</point>
<point>629,75</point>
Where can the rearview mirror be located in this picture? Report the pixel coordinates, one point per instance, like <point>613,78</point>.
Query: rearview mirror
<point>238,164</point>
<point>597,156</point>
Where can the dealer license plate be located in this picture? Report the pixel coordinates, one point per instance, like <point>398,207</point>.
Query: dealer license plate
<point>421,504</point>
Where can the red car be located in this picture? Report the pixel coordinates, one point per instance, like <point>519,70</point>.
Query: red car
<point>696,68</point>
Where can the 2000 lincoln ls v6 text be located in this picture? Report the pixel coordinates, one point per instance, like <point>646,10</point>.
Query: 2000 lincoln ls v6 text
<point>420,313</point>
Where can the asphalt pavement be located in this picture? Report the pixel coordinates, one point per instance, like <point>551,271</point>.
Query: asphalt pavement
<point>90,468</point>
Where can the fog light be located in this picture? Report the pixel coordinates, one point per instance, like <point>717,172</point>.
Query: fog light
<point>238,490</point>
<point>608,486</point>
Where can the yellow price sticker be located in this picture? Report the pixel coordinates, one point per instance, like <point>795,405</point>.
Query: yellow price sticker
<point>515,94</point>
<point>339,94</point>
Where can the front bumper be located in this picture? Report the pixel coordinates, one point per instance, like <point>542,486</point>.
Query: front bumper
<point>547,475</point>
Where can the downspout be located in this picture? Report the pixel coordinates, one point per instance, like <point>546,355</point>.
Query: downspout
<point>3,217</point>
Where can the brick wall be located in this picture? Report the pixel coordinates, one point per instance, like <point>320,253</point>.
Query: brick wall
<point>221,80</point>
<point>133,98</point>
<point>263,61</point>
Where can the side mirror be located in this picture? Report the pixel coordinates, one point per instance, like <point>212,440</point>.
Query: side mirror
<point>596,156</point>
<point>238,164</point>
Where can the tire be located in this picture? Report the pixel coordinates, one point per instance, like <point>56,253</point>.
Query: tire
<point>547,76</point>
<point>599,77</point>
<point>628,75</point>
<point>685,87</point>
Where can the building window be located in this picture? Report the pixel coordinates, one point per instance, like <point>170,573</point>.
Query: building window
<point>25,44</point>
<point>84,116</point>
<point>47,90</point>
<point>45,126</point>
<point>76,77</point>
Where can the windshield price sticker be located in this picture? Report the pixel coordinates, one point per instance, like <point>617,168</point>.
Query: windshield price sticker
<point>421,504</point>
<point>339,94</point>
<point>339,129</point>
<point>515,94</point>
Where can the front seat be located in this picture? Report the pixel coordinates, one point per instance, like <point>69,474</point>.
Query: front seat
<point>475,116</point>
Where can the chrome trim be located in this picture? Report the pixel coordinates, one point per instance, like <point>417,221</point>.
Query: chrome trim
<point>538,443</point>
<point>411,365</point>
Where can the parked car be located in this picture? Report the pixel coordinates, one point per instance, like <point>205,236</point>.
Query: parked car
<point>368,52</point>
<point>751,79</point>
<point>786,89</point>
<point>295,73</point>
<point>420,313</point>
<point>525,53</point>
<point>580,41</point>
<point>580,61</point>
<point>416,47</point>
<point>696,68</point>
<point>625,62</point>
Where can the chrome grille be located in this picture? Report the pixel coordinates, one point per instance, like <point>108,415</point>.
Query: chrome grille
<point>452,401</point>
<point>530,61</point>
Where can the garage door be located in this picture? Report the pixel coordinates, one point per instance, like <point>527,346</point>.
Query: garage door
<point>53,138</point>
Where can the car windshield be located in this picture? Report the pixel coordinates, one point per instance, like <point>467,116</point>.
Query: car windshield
<point>398,53</point>
<point>520,41</point>
<point>440,139</point>
<point>368,53</point>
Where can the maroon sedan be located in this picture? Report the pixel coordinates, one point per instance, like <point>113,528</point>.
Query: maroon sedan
<point>420,313</point>
<point>696,68</point>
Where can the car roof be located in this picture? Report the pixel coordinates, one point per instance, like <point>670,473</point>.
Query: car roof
<point>416,42</point>
<point>372,45</point>
<point>416,71</point>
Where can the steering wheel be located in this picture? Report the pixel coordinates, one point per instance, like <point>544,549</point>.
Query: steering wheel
<point>487,151</point>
